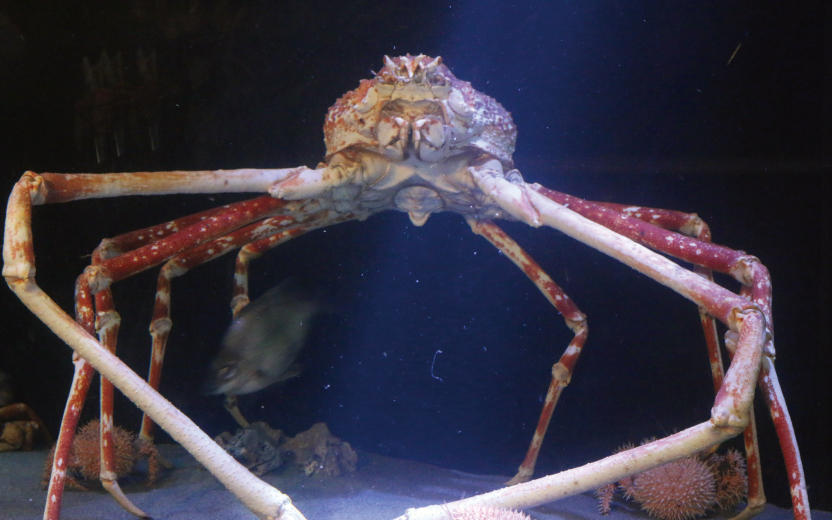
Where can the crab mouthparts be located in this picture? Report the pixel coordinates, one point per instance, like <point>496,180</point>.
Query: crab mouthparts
<point>418,202</point>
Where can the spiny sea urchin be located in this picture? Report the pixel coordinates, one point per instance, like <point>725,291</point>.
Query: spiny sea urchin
<point>684,489</point>
<point>731,479</point>
<point>85,455</point>
<point>678,490</point>
<point>604,494</point>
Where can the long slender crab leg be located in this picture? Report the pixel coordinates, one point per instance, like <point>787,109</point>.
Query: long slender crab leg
<point>161,323</point>
<point>686,223</point>
<point>730,412</point>
<point>607,213</point>
<point>107,324</point>
<point>255,249</point>
<point>241,298</point>
<point>110,264</point>
<point>538,206</point>
<point>575,320</point>
<point>254,239</point>
<point>726,421</point>
<point>756,288</point>
<point>72,411</point>
<point>667,219</point>
<point>691,225</point>
<point>263,500</point>
<point>51,188</point>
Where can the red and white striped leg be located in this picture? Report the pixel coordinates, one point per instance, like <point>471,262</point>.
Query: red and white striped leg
<point>575,320</point>
<point>74,404</point>
<point>107,324</point>
<point>691,225</point>
<point>757,289</point>
<point>115,260</point>
<point>19,272</point>
<point>260,236</point>
<point>160,325</point>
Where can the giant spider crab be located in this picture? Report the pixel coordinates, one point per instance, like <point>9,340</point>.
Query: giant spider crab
<point>416,139</point>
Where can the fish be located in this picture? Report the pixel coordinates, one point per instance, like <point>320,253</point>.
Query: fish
<point>262,342</point>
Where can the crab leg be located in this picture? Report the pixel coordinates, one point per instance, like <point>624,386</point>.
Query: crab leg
<point>74,403</point>
<point>785,432</point>
<point>255,239</point>
<point>757,288</point>
<point>534,205</point>
<point>107,324</point>
<point>128,242</point>
<point>262,499</point>
<point>19,270</point>
<point>691,225</point>
<point>727,420</point>
<point>686,223</point>
<point>255,250</point>
<point>730,412</point>
<point>108,266</point>
<point>50,188</point>
<point>161,323</point>
<point>575,320</point>
<point>667,219</point>
<point>108,328</point>
<point>240,297</point>
<point>108,320</point>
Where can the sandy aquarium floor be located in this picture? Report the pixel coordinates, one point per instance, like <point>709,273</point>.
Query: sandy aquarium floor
<point>381,489</point>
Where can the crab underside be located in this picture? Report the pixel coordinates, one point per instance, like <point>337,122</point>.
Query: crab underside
<point>416,139</point>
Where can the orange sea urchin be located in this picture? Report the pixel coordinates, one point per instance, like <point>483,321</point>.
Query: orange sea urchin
<point>684,489</point>
<point>85,456</point>
<point>678,490</point>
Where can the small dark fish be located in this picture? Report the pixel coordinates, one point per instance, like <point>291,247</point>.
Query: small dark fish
<point>263,341</point>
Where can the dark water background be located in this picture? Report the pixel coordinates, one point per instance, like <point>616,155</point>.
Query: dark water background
<point>631,102</point>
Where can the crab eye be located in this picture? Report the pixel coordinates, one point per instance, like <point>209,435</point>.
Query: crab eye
<point>437,80</point>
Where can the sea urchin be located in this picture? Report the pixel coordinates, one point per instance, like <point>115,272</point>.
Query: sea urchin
<point>684,489</point>
<point>678,490</point>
